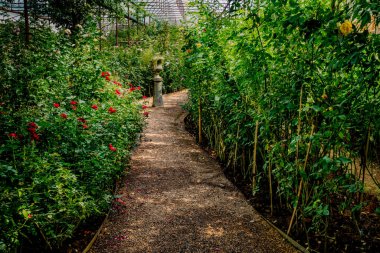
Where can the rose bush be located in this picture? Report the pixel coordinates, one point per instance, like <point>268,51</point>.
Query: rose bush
<point>68,123</point>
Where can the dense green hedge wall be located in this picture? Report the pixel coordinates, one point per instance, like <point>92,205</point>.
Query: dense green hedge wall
<point>309,78</point>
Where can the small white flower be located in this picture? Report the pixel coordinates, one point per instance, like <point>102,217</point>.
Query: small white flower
<point>67,31</point>
<point>79,26</point>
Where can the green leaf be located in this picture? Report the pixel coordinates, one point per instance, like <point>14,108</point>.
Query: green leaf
<point>344,160</point>
<point>25,213</point>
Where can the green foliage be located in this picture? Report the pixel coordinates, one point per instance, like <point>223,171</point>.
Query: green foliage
<point>61,144</point>
<point>293,67</point>
<point>66,131</point>
<point>133,61</point>
<point>70,13</point>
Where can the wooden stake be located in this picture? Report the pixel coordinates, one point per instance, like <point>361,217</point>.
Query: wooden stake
<point>236,147</point>
<point>199,121</point>
<point>299,124</point>
<point>270,186</point>
<point>365,160</point>
<point>254,165</point>
<point>301,183</point>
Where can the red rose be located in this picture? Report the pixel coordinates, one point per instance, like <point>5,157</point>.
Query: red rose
<point>56,105</point>
<point>74,107</point>
<point>95,107</point>
<point>35,136</point>
<point>32,125</point>
<point>117,92</point>
<point>146,114</point>
<point>82,120</point>
<point>108,78</point>
<point>13,135</point>
<point>145,97</point>
<point>105,73</point>
<point>111,110</point>
<point>138,87</point>
<point>112,148</point>
<point>144,107</point>
<point>73,102</point>
<point>64,115</point>
<point>85,126</point>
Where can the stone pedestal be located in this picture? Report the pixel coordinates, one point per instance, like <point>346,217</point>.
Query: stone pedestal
<point>157,97</point>
<point>157,93</point>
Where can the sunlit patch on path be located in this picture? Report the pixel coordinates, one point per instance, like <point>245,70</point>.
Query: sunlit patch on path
<point>178,200</point>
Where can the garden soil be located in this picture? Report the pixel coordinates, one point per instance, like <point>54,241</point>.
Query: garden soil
<point>175,198</point>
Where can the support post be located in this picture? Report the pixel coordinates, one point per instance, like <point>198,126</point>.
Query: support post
<point>100,28</point>
<point>27,28</point>
<point>129,27</point>
<point>117,33</point>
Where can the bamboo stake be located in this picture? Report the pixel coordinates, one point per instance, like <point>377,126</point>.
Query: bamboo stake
<point>270,186</point>
<point>365,161</point>
<point>301,183</point>
<point>254,165</point>
<point>199,121</point>
<point>236,147</point>
<point>43,236</point>
<point>299,124</point>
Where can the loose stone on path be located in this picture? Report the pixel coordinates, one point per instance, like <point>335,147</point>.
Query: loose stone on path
<point>176,198</point>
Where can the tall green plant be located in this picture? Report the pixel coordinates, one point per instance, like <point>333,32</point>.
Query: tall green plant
<point>310,77</point>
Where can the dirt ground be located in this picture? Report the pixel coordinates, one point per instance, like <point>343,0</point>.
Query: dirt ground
<point>176,198</point>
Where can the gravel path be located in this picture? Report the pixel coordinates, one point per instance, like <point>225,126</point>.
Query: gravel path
<point>175,198</point>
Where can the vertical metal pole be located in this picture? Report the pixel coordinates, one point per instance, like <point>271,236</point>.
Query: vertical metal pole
<point>100,28</point>
<point>137,18</point>
<point>117,33</point>
<point>129,29</point>
<point>27,28</point>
